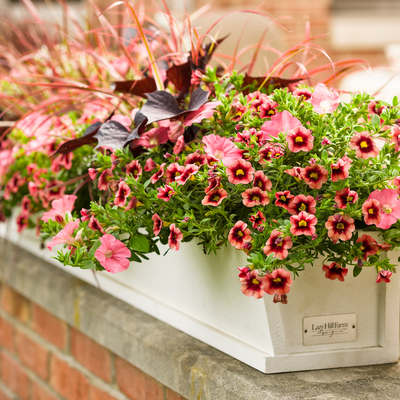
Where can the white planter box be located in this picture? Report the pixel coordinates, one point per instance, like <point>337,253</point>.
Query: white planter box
<point>200,295</point>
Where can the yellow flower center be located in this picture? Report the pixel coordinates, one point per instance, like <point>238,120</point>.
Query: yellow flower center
<point>259,184</point>
<point>277,280</point>
<point>340,226</point>
<point>362,248</point>
<point>280,244</point>
<point>363,144</point>
<point>303,207</point>
<point>135,171</point>
<point>256,282</point>
<point>298,139</point>
<point>283,198</point>
<point>348,198</point>
<point>314,175</point>
<point>256,198</point>
<point>239,172</point>
<point>371,210</point>
<point>177,173</point>
<point>271,112</point>
<point>240,233</point>
<point>170,192</point>
<point>386,209</point>
<point>303,223</point>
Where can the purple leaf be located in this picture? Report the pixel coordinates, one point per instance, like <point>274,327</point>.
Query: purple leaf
<point>197,99</point>
<point>140,126</point>
<point>139,87</point>
<point>112,134</point>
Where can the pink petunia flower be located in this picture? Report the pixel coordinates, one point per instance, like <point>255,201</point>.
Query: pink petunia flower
<point>261,181</point>
<point>314,176</point>
<point>340,227</point>
<point>112,254</point>
<point>278,245</point>
<point>251,285</point>
<point>240,171</point>
<point>150,165</point>
<point>257,219</point>
<point>369,246</point>
<point>153,137</point>
<point>221,148</point>
<point>165,193</point>
<point>123,193</point>
<point>239,235</point>
<point>371,210</point>
<point>345,196</point>
<point>303,224</point>
<point>299,139</point>
<point>65,235</point>
<point>395,137</point>
<point>277,282</point>
<point>335,271</point>
<point>158,175</point>
<point>92,173</point>
<point>383,276</point>
<point>179,146</point>
<point>389,206</point>
<point>206,111</point>
<point>255,197</point>
<point>62,207</point>
<point>175,238</point>
<point>157,224</point>
<point>134,168</point>
<point>214,197</point>
<point>123,120</point>
<point>364,146</point>
<point>280,122</point>
<point>323,100</point>
<point>302,203</point>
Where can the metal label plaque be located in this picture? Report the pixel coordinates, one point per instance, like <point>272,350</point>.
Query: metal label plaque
<point>329,329</point>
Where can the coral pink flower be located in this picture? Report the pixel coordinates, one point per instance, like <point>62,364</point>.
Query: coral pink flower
<point>255,99</point>
<point>189,171</point>
<point>196,158</point>
<point>134,168</point>
<point>65,235</point>
<point>277,282</point>
<point>244,272</point>
<point>383,276</point>
<point>374,109</point>
<point>345,196</point>
<point>257,219</point>
<point>255,197</point>
<point>302,203</point>
<point>340,227</point>
<point>60,207</point>
<point>239,235</point>
<point>213,183</point>
<point>158,175</point>
<point>174,238</point>
<point>261,181</point>
<point>280,122</point>
<point>389,206</point>
<point>314,176</point>
<point>335,271</point>
<point>92,173</point>
<point>340,170</point>
<point>173,171</point>
<point>268,152</point>
<point>267,108</point>
<point>221,148</point>
<point>325,141</point>
<point>22,222</point>
<point>369,246</point>
<point>132,203</point>
<point>175,129</point>
<point>278,245</point>
<point>165,193</point>
<point>395,138</point>
<point>396,182</point>
<point>283,199</point>
<point>179,146</point>
<point>94,224</point>
<point>364,146</point>
<point>303,92</point>
<point>123,192</point>
<point>299,139</point>
<point>150,165</point>
<point>236,111</point>
<point>206,111</point>
<point>86,214</point>
<point>25,205</point>
<point>303,224</point>
<point>105,176</point>
<point>123,120</point>
<point>251,285</point>
<point>112,254</point>
<point>371,210</point>
<point>323,100</point>
<point>157,224</point>
<point>153,137</point>
<point>295,172</point>
<point>214,197</point>
<point>240,171</point>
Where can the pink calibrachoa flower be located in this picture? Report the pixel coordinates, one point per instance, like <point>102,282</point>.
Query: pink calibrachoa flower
<point>345,196</point>
<point>251,285</point>
<point>165,193</point>
<point>65,235</point>
<point>134,168</point>
<point>214,197</point>
<point>295,172</point>
<point>280,122</point>
<point>132,203</point>
<point>240,171</point>
<point>364,145</point>
<point>196,158</point>
<point>239,235</point>
<point>324,100</point>
<point>213,183</point>
<point>153,137</point>
<point>268,152</point>
<point>383,276</point>
<point>277,282</point>
<point>179,146</point>
<point>61,207</point>
<point>244,272</point>
<point>123,192</point>
<point>173,171</point>
<point>92,173</point>
<point>268,108</point>
<point>206,111</point>
<point>105,176</point>
<point>335,271</point>
<point>278,245</point>
<point>261,181</point>
<point>303,92</point>
<point>389,206</point>
<point>157,224</point>
<point>299,139</point>
<point>255,197</point>
<point>112,255</point>
<point>158,175</point>
<point>283,199</point>
<point>395,137</point>
<point>22,221</point>
<point>340,227</point>
<point>189,171</point>
<point>303,224</point>
<point>314,176</point>
<point>340,170</point>
<point>325,141</point>
<point>302,203</point>
<point>369,246</point>
<point>174,238</point>
<point>237,111</point>
<point>371,210</point>
<point>95,225</point>
<point>150,165</point>
<point>374,109</point>
<point>86,214</point>
<point>221,148</point>
<point>256,99</point>
<point>25,205</point>
<point>257,219</point>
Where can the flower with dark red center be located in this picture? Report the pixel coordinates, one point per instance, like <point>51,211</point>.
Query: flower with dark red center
<point>239,235</point>
<point>383,276</point>
<point>277,282</point>
<point>244,272</point>
<point>165,193</point>
<point>395,137</point>
<point>364,146</point>
<point>255,99</point>
<point>283,199</point>
<point>325,141</point>
<point>132,203</point>
<point>266,152</point>
<point>257,219</point>
<point>179,146</point>
<point>240,171</point>
<point>340,170</point>
<point>278,245</point>
<point>251,285</point>
<point>157,225</point>
<point>302,203</point>
<point>94,224</point>
<point>123,192</point>
<point>305,93</point>
<point>134,169</point>
<point>236,111</point>
<point>150,165</point>
<point>158,175</point>
<point>340,227</point>
<point>213,183</point>
<point>345,196</point>
<point>92,173</point>
<point>214,197</point>
<point>369,246</point>
<point>335,271</point>
<point>314,176</point>
<point>389,206</point>
<point>299,139</point>
<point>373,108</point>
<point>22,221</point>
<point>189,171</point>
<point>261,181</point>
<point>255,197</point>
<point>196,159</point>
<point>86,214</point>
<point>173,171</point>
<point>303,224</point>
<point>295,172</point>
<point>105,176</point>
<point>174,238</point>
<point>267,108</point>
<point>372,212</point>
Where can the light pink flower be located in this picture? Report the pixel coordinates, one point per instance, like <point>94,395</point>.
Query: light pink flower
<point>389,206</point>
<point>60,207</point>
<point>280,122</point>
<point>153,137</point>
<point>123,120</point>
<point>112,254</point>
<point>179,146</point>
<point>204,112</point>
<point>65,235</point>
<point>383,276</point>
<point>176,129</point>
<point>221,148</point>
<point>324,100</point>
<point>174,238</point>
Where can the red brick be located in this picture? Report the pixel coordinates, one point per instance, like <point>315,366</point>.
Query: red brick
<point>14,304</point>
<point>91,355</point>
<point>6,335</point>
<point>40,393</point>
<point>135,383</point>
<point>97,394</point>
<point>15,377</point>
<point>67,381</point>
<point>171,395</point>
<point>50,327</point>
<point>33,355</point>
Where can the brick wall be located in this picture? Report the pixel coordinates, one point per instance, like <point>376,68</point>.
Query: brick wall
<point>43,358</point>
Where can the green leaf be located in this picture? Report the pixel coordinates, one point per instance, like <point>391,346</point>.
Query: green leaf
<point>375,121</point>
<point>392,234</point>
<point>139,243</point>
<point>88,264</point>
<point>135,258</point>
<point>357,271</point>
<point>395,101</point>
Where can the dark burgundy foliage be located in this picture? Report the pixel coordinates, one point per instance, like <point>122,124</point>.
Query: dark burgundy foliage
<point>277,83</point>
<point>208,51</point>
<point>112,134</point>
<point>180,76</point>
<point>190,133</point>
<point>138,87</point>
<point>140,126</point>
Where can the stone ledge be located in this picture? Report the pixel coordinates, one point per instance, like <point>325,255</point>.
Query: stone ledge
<point>186,365</point>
